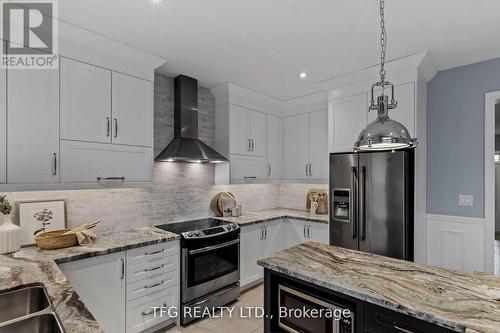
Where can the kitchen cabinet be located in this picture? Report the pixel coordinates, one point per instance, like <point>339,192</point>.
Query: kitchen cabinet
<point>3,126</point>
<point>132,111</point>
<point>100,283</point>
<point>306,147</point>
<point>274,147</point>
<point>296,147</point>
<point>258,241</point>
<point>85,102</point>
<point>258,133</point>
<point>298,231</point>
<point>248,132</point>
<point>86,161</point>
<point>33,126</point>
<point>349,116</point>
<point>248,168</point>
<point>319,232</point>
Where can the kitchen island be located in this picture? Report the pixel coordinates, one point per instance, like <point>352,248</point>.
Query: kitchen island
<point>385,294</point>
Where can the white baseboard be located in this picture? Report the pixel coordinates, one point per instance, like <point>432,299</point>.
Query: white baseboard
<point>456,242</point>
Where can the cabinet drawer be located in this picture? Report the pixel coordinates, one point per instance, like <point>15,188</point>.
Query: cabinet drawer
<point>152,252</point>
<point>152,268</point>
<point>379,319</point>
<point>140,315</point>
<point>153,285</point>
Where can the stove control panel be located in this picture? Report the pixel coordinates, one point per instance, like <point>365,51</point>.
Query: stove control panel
<point>209,232</point>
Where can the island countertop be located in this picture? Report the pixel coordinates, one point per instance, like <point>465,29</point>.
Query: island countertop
<point>34,266</point>
<point>461,302</point>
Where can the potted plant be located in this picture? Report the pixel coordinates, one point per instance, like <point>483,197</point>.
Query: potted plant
<point>9,232</point>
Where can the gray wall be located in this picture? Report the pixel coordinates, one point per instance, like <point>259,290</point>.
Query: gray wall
<point>455,134</point>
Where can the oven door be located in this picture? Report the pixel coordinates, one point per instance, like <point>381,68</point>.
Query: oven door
<point>209,265</point>
<point>294,318</point>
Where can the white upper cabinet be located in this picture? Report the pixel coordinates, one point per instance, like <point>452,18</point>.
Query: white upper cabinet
<point>132,111</point>
<point>296,146</point>
<point>3,126</point>
<point>248,168</point>
<point>318,151</point>
<point>348,116</point>
<point>274,147</point>
<point>239,130</point>
<point>85,102</point>
<point>258,134</point>
<point>33,126</point>
<point>405,112</point>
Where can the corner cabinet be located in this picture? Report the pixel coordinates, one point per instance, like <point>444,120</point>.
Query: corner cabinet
<point>306,147</point>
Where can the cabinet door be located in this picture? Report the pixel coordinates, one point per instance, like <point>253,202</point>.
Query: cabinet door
<point>250,252</point>
<point>295,232</point>
<point>85,161</point>
<point>348,116</point>
<point>85,102</point>
<point>405,112</point>
<point>100,283</point>
<point>248,168</point>
<point>274,147</point>
<point>318,145</point>
<point>319,232</point>
<point>239,130</point>
<point>3,126</point>
<point>33,123</point>
<point>258,133</point>
<point>296,147</point>
<point>274,238</point>
<point>132,111</point>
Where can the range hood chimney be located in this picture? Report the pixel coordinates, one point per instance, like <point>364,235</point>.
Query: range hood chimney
<point>186,147</point>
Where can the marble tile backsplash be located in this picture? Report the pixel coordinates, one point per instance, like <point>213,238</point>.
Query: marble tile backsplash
<point>293,195</point>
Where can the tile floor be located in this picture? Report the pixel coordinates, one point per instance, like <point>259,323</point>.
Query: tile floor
<point>235,324</point>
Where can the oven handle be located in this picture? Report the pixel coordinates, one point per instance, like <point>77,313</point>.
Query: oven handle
<point>214,247</point>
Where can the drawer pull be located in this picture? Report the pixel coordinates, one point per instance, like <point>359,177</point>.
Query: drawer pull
<point>150,312</point>
<point>154,285</point>
<point>153,269</point>
<point>402,329</point>
<point>154,252</point>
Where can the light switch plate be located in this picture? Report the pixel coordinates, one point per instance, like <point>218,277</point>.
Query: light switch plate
<point>465,200</point>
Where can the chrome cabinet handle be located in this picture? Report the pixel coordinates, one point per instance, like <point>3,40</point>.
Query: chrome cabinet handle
<point>110,178</point>
<point>116,127</point>
<point>150,312</point>
<point>249,145</point>
<point>305,236</point>
<point>261,233</point>
<point>253,143</point>
<point>307,170</point>
<point>153,269</point>
<point>108,127</point>
<point>154,252</point>
<point>310,170</point>
<point>54,164</point>
<point>265,232</point>
<point>269,169</point>
<point>154,285</point>
<point>122,276</point>
<point>308,231</point>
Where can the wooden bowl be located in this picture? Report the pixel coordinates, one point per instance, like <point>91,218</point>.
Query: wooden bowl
<point>55,240</point>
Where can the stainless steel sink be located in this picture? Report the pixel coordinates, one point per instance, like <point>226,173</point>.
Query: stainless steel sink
<point>43,323</point>
<point>22,302</point>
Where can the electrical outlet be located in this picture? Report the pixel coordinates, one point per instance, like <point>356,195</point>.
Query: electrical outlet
<point>465,200</point>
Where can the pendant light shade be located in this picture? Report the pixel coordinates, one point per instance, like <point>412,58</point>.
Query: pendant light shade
<point>383,133</point>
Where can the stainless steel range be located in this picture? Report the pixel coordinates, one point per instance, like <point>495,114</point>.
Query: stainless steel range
<point>210,264</point>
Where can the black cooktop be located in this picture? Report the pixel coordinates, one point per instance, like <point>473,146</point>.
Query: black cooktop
<point>181,227</point>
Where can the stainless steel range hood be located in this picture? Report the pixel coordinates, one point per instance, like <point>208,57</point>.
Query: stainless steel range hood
<point>186,147</point>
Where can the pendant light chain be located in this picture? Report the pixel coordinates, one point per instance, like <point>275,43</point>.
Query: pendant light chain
<point>383,43</point>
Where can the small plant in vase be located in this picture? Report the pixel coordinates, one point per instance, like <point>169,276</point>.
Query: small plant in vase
<point>9,233</point>
<point>44,217</point>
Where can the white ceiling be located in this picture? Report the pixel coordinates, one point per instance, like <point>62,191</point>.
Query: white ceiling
<point>264,44</point>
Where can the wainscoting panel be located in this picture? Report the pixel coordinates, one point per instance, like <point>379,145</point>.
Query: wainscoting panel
<point>455,242</point>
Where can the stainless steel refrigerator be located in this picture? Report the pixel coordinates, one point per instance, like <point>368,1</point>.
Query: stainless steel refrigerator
<point>371,206</point>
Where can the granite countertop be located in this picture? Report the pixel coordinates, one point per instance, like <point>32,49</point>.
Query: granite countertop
<point>461,302</point>
<point>248,218</point>
<point>34,266</point>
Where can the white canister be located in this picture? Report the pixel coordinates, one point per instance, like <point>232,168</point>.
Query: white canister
<point>314,207</point>
<point>9,235</point>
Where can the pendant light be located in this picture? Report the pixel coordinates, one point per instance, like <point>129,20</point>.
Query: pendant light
<point>383,133</point>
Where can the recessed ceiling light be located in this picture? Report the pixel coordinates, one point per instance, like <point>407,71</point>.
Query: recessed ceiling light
<point>303,75</point>
<point>156,1</point>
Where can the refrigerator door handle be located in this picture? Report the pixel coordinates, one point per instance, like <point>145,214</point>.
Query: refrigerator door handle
<point>353,203</point>
<point>362,210</point>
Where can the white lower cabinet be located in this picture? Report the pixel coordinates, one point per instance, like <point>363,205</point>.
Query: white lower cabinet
<point>119,297</point>
<point>100,283</point>
<point>132,163</point>
<point>258,241</point>
<point>299,231</point>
